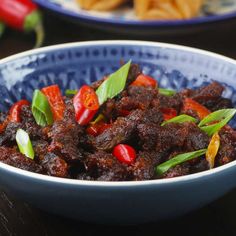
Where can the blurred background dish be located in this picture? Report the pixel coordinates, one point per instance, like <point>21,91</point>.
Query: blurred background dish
<point>123,19</point>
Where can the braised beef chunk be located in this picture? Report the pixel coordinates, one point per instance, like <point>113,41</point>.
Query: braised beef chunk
<point>222,103</point>
<point>54,165</point>
<point>227,150</point>
<point>144,166</point>
<point>104,166</point>
<point>134,118</point>
<point>163,101</point>
<point>27,123</point>
<point>152,116</point>
<point>8,136</point>
<point>134,71</point>
<point>120,131</point>
<point>66,135</point>
<point>177,171</point>
<point>173,135</point>
<point>208,94</point>
<point>14,158</point>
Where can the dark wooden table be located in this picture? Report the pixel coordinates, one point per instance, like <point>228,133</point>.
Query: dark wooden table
<point>18,218</point>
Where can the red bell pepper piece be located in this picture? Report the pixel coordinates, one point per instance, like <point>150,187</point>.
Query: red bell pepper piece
<point>86,105</point>
<point>168,113</point>
<point>124,153</point>
<point>145,81</point>
<point>22,15</point>
<point>190,104</point>
<point>14,113</point>
<point>55,100</point>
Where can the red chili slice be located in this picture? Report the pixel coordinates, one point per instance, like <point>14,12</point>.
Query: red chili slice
<point>124,153</point>
<point>86,105</point>
<point>55,100</point>
<point>168,113</point>
<point>190,104</point>
<point>97,128</point>
<point>14,113</point>
<point>145,81</point>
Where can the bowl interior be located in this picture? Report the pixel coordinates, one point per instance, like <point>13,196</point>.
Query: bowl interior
<point>72,65</point>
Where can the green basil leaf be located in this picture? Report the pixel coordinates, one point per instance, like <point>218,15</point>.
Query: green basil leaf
<point>69,92</point>
<point>181,158</point>
<point>221,116</point>
<point>180,119</point>
<point>24,143</point>
<point>114,84</point>
<point>41,109</point>
<point>166,92</point>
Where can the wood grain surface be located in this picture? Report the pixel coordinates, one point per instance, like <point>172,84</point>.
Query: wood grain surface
<point>18,218</point>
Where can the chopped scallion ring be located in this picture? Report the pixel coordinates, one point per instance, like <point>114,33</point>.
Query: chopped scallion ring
<point>24,143</point>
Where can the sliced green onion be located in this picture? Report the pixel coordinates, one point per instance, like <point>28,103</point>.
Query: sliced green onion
<point>114,84</point>
<point>41,109</point>
<point>166,92</point>
<point>24,143</point>
<point>180,119</point>
<point>221,116</point>
<point>70,92</point>
<point>162,168</point>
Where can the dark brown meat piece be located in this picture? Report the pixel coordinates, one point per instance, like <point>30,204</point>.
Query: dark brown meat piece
<point>134,71</point>
<point>40,148</point>
<point>193,166</point>
<point>162,138</point>
<point>176,171</point>
<point>222,103</point>
<point>227,150</point>
<point>66,135</point>
<point>104,167</point>
<point>55,166</point>
<point>144,166</point>
<point>200,164</point>
<point>27,123</point>
<point>209,95</point>
<point>9,134</point>
<point>163,101</point>
<point>138,97</point>
<point>14,158</point>
<point>120,131</point>
<point>152,116</point>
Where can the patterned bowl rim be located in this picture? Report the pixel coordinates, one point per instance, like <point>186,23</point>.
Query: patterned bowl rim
<point>113,21</point>
<point>118,43</point>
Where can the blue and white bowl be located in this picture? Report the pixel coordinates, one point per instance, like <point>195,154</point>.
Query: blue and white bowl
<point>70,66</point>
<point>124,19</point>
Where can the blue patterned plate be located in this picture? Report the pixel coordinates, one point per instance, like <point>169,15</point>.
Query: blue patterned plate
<point>72,65</point>
<point>124,19</point>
